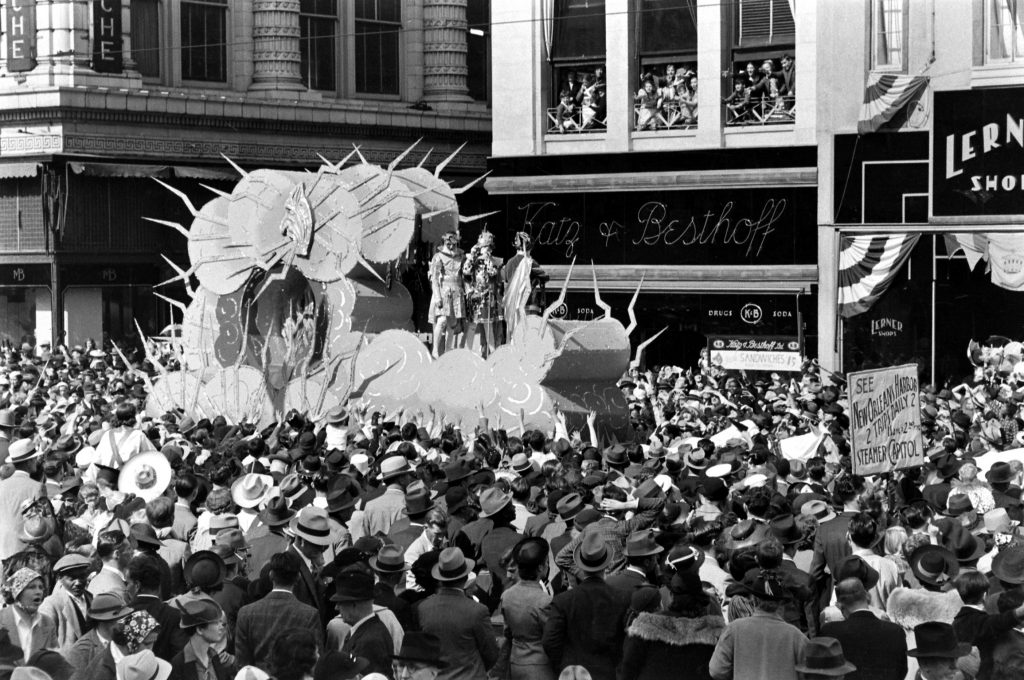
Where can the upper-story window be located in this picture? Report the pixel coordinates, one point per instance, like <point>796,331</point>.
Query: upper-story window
<point>577,55</point>
<point>204,37</point>
<point>888,34</point>
<point>318,39</point>
<point>666,96</point>
<point>762,88</point>
<point>378,37</point>
<point>145,31</point>
<point>1004,40</point>
<point>478,47</point>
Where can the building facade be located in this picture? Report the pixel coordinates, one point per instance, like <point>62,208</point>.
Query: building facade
<point>98,98</point>
<point>613,148</point>
<point>921,237</point>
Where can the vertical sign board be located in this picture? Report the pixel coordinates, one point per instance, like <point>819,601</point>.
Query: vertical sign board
<point>21,35</point>
<point>106,36</point>
<point>885,419</point>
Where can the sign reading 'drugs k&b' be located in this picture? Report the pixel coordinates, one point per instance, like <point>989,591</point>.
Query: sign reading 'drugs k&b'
<point>885,419</point>
<point>755,353</point>
<point>978,153</point>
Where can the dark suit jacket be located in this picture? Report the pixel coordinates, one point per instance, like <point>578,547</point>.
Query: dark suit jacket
<point>187,670</point>
<point>535,525</point>
<point>308,590</point>
<point>983,631</point>
<point>830,546</point>
<point>877,648</point>
<point>587,626</point>
<point>259,623</point>
<point>373,642</point>
<point>171,638</point>
<point>626,581</point>
<point>468,644</point>
<point>385,597</point>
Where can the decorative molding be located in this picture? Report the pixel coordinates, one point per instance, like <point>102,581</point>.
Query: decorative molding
<point>28,145</point>
<point>650,181</point>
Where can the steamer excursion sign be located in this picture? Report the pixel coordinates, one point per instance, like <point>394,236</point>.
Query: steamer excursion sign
<point>978,152</point>
<point>885,420</point>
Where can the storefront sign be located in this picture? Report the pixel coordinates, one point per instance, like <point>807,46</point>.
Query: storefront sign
<point>753,226</point>
<point>737,352</point>
<point>24,275</point>
<point>106,40</point>
<point>885,420</point>
<point>21,35</point>
<point>978,153</point>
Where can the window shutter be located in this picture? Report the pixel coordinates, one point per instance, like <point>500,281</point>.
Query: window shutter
<point>782,20</point>
<point>755,21</point>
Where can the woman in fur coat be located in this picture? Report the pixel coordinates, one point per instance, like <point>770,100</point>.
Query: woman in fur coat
<point>681,636</point>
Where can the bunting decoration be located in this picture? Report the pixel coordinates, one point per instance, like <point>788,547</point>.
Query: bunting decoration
<point>885,95</point>
<point>867,265</point>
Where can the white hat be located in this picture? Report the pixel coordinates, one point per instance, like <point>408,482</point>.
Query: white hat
<point>251,673</point>
<point>754,480</point>
<point>85,457</point>
<point>22,450</point>
<point>143,666</point>
<point>720,470</point>
<point>251,489</point>
<point>147,475</point>
<point>361,462</point>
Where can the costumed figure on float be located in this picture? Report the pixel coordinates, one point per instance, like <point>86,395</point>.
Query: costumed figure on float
<point>447,299</point>
<point>483,295</point>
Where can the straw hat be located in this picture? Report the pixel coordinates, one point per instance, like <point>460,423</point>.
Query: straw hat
<point>251,490</point>
<point>146,475</point>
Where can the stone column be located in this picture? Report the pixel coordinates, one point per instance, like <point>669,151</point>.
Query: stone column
<point>444,51</point>
<point>275,34</point>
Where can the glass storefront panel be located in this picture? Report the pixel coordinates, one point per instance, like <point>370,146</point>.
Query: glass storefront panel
<point>18,313</point>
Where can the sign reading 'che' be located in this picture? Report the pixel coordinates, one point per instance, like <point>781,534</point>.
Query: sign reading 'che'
<point>106,36</point>
<point>21,35</point>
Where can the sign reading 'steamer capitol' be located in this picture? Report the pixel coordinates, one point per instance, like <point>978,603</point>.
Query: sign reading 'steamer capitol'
<point>885,419</point>
<point>978,153</point>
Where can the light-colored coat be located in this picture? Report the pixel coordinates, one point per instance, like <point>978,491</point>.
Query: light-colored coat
<point>14,491</point>
<point>44,637</point>
<point>62,611</point>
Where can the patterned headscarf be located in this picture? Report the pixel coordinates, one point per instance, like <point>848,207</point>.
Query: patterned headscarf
<point>18,581</point>
<point>134,630</point>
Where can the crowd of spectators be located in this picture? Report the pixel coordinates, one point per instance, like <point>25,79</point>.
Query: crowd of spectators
<point>582,102</point>
<point>146,545</point>
<point>762,95</point>
<point>668,100</point>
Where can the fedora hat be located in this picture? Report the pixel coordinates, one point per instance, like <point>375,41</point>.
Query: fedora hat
<point>521,464</point>
<point>143,666</point>
<point>937,639</point>
<point>205,569</point>
<point>933,564</point>
<point>342,496</point>
<point>592,554</point>
<point>390,559</point>
<point>352,586</point>
<point>417,501</point>
<point>1008,565</point>
<point>999,473</point>
<point>641,544</point>
<point>108,607</point>
<point>421,648</point>
<point>146,475</point>
<point>967,547</point>
<point>785,528</point>
<point>312,524</point>
<point>819,510</point>
<point>276,513</point>
<point>457,471</point>
<point>199,611</point>
<point>824,656</point>
<point>696,459</point>
<point>394,466</point>
<point>251,489</point>
<point>615,455</point>
<point>22,450</point>
<point>7,419</point>
<point>569,505</point>
<point>492,501</point>
<point>451,565</point>
<point>957,504</point>
<point>744,534</point>
<point>145,534</point>
<point>337,414</point>
<point>853,566</point>
<point>296,492</point>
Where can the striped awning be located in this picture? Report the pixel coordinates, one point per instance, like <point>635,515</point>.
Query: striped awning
<point>867,265</point>
<point>884,96</point>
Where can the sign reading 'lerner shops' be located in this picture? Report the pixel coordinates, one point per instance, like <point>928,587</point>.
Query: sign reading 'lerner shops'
<point>753,353</point>
<point>885,420</point>
<point>978,153</point>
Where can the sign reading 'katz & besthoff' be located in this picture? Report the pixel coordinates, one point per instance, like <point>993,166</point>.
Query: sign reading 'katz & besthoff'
<point>978,153</point>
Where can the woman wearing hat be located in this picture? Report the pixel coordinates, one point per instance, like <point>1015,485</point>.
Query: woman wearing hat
<point>136,632</point>
<point>679,636</point>
<point>23,593</point>
<point>524,610</point>
<point>204,622</point>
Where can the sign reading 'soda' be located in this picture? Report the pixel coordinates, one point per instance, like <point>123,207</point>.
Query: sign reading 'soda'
<point>885,420</point>
<point>978,153</point>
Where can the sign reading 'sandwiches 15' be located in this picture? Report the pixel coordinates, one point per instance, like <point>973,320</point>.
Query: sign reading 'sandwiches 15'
<point>978,153</point>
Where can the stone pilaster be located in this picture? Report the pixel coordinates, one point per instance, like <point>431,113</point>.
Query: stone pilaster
<point>444,50</point>
<point>275,35</point>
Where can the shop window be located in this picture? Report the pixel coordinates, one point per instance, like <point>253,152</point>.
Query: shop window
<point>378,37</point>
<point>577,55</point>
<point>888,34</point>
<point>18,314</point>
<point>666,44</point>
<point>478,46</point>
<point>762,90</point>
<point>146,37</point>
<point>318,29</point>
<point>204,38</point>
<point>1004,37</point>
